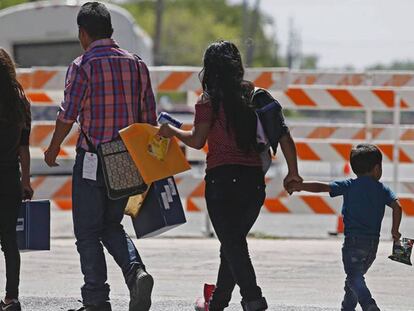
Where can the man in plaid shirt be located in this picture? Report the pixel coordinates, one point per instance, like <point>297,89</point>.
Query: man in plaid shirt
<point>106,89</point>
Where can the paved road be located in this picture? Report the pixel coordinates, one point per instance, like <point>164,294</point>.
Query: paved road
<point>303,275</point>
<point>275,225</point>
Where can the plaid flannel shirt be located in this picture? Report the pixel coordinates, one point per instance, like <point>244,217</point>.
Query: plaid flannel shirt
<point>106,89</point>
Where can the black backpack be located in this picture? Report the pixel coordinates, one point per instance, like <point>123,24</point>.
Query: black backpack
<point>269,112</point>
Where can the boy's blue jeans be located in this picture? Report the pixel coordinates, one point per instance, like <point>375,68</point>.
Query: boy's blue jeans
<point>358,254</point>
<point>97,223</point>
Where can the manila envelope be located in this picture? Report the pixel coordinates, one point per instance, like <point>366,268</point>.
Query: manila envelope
<point>136,138</point>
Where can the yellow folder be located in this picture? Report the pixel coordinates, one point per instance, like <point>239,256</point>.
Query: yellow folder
<point>136,138</point>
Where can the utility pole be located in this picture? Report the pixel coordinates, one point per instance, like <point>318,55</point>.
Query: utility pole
<point>294,46</point>
<point>245,23</point>
<point>252,34</point>
<point>159,10</point>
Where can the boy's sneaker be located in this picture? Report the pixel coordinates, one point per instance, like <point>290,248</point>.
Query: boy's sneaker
<point>140,291</point>
<point>14,305</point>
<point>201,304</point>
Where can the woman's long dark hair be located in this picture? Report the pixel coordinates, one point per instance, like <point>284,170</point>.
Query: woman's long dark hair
<point>222,80</point>
<point>13,102</point>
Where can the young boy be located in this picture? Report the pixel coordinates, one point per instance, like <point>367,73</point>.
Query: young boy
<point>363,210</point>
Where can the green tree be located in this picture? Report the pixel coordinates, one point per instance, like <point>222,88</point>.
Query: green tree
<point>309,62</point>
<point>396,65</point>
<point>6,3</point>
<point>190,25</point>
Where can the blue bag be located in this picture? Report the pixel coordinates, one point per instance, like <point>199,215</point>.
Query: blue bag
<point>161,210</point>
<point>33,226</point>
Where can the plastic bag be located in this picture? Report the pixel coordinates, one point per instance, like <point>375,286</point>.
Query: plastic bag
<point>401,251</point>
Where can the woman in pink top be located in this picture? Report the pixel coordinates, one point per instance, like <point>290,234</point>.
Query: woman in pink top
<point>235,185</point>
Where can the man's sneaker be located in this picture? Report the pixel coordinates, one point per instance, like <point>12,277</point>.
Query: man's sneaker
<point>201,304</point>
<point>14,305</point>
<point>140,291</point>
<point>102,307</point>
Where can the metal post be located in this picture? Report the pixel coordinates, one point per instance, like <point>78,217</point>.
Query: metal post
<point>368,125</point>
<point>396,150</point>
<point>158,32</point>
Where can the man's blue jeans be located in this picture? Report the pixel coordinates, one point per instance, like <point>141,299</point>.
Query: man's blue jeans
<point>358,254</point>
<point>97,223</point>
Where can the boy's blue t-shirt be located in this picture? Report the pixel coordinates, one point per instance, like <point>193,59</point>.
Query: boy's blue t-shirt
<point>364,204</point>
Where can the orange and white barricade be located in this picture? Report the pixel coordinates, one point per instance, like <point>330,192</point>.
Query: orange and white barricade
<point>334,97</point>
<point>191,189</point>
<point>296,90</point>
<point>352,131</point>
<point>57,189</point>
<point>42,78</point>
<point>42,132</point>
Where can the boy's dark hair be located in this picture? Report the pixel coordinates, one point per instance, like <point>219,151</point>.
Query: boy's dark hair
<point>364,157</point>
<point>95,19</point>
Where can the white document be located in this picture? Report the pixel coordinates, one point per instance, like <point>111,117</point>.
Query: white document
<point>165,200</point>
<point>168,192</point>
<point>20,224</point>
<point>172,186</point>
<point>90,166</point>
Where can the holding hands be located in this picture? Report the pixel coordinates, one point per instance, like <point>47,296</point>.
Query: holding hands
<point>292,182</point>
<point>294,186</point>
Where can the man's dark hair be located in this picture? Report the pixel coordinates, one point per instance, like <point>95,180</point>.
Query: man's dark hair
<point>95,19</point>
<point>364,157</point>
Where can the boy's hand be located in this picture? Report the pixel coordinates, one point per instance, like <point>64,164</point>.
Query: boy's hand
<point>396,235</point>
<point>396,219</point>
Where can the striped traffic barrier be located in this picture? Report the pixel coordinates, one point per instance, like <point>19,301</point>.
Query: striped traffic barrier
<point>191,188</point>
<point>334,97</point>
<point>350,131</point>
<point>299,97</point>
<point>302,204</point>
<point>327,151</point>
<point>45,78</point>
<point>172,78</point>
<point>42,132</point>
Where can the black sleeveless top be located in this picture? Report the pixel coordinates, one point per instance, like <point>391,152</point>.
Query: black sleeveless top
<point>12,136</point>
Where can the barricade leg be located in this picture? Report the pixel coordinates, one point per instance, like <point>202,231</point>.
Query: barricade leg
<point>339,226</point>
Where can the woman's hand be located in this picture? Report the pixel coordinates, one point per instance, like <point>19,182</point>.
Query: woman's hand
<point>166,131</point>
<point>27,191</point>
<point>291,177</point>
<point>294,186</point>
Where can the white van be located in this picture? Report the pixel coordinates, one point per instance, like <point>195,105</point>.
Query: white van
<point>45,33</point>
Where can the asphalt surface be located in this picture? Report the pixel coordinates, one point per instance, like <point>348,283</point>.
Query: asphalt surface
<point>295,274</point>
<point>297,226</point>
